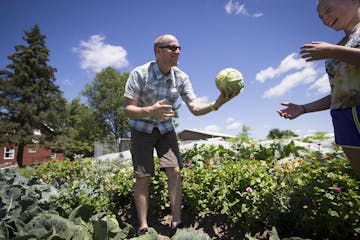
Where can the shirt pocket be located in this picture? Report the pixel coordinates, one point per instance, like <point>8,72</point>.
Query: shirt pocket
<point>149,95</point>
<point>172,96</point>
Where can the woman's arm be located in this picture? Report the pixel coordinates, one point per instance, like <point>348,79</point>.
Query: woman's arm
<point>322,50</point>
<point>294,110</point>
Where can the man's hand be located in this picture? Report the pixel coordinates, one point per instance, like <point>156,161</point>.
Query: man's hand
<point>224,97</point>
<point>162,110</point>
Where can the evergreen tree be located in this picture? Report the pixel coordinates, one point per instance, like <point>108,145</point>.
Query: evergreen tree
<point>30,99</point>
<point>106,97</point>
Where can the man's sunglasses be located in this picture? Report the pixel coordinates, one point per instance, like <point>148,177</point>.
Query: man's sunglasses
<point>172,48</point>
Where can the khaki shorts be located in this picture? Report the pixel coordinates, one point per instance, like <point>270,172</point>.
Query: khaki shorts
<point>142,151</point>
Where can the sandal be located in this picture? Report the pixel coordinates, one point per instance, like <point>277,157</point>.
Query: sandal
<point>143,231</point>
<point>179,225</point>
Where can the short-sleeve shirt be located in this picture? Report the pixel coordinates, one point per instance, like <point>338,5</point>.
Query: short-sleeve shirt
<point>345,78</point>
<point>148,85</point>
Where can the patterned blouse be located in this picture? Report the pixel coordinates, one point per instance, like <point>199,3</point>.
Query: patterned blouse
<point>345,78</point>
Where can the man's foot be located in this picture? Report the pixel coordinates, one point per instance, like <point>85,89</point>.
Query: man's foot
<point>143,231</point>
<point>177,225</point>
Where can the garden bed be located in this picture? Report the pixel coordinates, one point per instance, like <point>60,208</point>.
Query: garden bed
<point>236,193</point>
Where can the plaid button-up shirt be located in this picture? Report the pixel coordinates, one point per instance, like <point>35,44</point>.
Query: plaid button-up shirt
<point>148,85</point>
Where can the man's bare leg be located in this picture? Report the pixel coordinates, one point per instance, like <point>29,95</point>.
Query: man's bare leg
<point>175,192</point>
<point>142,200</point>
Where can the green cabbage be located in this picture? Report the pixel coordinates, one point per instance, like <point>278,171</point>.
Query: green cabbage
<point>230,79</point>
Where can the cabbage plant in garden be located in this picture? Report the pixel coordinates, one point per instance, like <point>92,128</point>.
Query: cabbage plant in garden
<point>29,209</point>
<point>28,212</point>
<point>280,187</point>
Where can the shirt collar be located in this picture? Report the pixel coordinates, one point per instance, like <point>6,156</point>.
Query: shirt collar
<point>159,75</point>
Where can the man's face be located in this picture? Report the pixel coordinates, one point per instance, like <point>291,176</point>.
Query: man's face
<point>168,52</point>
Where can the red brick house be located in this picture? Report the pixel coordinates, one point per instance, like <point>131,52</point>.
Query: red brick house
<point>33,153</point>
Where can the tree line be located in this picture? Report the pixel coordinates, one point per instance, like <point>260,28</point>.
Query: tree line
<point>30,100</point>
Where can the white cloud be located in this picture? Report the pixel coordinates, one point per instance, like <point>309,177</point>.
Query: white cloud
<point>234,125</point>
<point>212,128</point>
<point>203,99</point>
<point>66,82</point>
<point>234,7</point>
<point>231,123</point>
<point>304,132</point>
<point>230,120</point>
<point>289,63</point>
<point>305,76</point>
<point>321,86</point>
<point>294,71</point>
<point>257,15</point>
<point>96,55</point>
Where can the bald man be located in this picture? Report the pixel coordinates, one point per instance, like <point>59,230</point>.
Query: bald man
<point>151,92</point>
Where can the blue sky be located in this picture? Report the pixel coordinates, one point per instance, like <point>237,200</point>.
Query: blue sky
<point>260,38</point>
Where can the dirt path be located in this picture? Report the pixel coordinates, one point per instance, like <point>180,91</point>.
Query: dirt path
<point>216,226</point>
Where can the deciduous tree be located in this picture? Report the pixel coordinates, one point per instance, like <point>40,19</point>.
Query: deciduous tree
<point>82,129</point>
<point>276,133</point>
<point>105,96</point>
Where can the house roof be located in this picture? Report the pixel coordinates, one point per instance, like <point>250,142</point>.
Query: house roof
<point>194,134</point>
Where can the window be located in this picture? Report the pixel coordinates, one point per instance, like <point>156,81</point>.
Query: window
<point>32,149</point>
<point>53,154</point>
<point>9,153</point>
<point>37,132</point>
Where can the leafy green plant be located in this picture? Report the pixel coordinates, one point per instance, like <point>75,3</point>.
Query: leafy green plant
<point>325,200</point>
<point>21,200</point>
<point>27,211</point>
<point>158,192</point>
<point>296,195</point>
<point>185,234</point>
<point>200,154</point>
<point>307,194</point>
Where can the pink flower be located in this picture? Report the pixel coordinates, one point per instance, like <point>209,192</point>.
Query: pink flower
<point>189,165</point>
<point>313,166</point>
<point>337,190</point>
<point>319,145</point>
<point>248,189</point>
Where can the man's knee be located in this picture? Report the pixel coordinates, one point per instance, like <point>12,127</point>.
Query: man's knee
<point>173,172</point>
<point>142,181</point>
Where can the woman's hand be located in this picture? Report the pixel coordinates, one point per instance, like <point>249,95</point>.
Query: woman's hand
<point>291,111</point>
<point>316,51</point>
